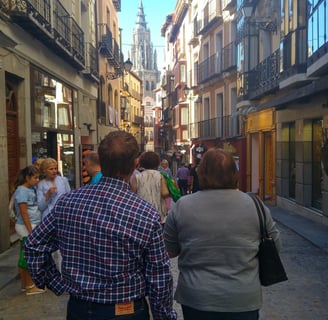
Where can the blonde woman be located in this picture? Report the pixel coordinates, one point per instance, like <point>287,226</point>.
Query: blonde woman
<point>51,187</point>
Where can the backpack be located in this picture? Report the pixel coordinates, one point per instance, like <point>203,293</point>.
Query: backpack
<point>171,185</point>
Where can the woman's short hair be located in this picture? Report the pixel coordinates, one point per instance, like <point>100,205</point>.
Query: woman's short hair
<point>217,170</point>
<point>117,153</point>
<point>46,163</point>
<point>164,162</point>
<point>149,160</point>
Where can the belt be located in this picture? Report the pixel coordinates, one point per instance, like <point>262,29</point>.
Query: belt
<point>138,303</point>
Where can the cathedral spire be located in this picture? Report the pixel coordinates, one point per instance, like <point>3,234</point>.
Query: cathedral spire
<point>141,19</point>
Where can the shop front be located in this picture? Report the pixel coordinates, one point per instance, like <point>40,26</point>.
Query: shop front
<point>52,122</point>
<point>261,155</point>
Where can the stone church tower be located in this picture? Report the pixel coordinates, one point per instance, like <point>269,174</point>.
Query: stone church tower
<point>143,56</point>
<point>144,59</point>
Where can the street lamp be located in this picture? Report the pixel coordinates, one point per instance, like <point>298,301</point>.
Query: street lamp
<point>186,91</point>
<point>126,67</point>
<point>247,11</point>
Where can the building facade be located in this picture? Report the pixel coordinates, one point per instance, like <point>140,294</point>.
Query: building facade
<point>48,88</point>
<point>256,78</point>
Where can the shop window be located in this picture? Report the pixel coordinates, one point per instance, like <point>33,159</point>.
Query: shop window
<point>292,160</point>
<point>51,102</point>
<point>317,174</point>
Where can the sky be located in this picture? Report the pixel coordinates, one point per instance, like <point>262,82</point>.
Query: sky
<point>155,13</point>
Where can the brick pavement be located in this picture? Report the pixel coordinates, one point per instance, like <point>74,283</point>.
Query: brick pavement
<point>303,297</point>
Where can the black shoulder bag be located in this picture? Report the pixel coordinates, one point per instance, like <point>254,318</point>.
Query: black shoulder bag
<point>271,269</point>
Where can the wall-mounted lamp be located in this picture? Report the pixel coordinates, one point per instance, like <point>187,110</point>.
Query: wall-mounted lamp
<point>247,11</point>
<point>126,67</point>
<point>186,91</point>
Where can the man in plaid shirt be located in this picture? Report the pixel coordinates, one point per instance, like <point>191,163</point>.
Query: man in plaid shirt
<point>111,242</point>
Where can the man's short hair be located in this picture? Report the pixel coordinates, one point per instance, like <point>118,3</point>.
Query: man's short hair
<point>93,157</point>
<point>217,170</point>
<point>117,153</point>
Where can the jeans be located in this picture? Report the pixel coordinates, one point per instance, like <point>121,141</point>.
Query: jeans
<point>194,314</point>
<point>183,185</point>
<point>84,310</point>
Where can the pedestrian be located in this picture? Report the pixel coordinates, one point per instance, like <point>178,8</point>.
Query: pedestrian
<point>194,177</point>
<point>150,185</point>
<point>112,245</point>
<point>215,233</point>
<point>49,189</point>
<point>92,166</point>
<point>164,168</point>
<point>182,176</point>
<point>28,216</point>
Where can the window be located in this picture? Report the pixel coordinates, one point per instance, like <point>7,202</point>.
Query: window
<point>292,161</point>
<point>317,178</point>
<point>183,75</point>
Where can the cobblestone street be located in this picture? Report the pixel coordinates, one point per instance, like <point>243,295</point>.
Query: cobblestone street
<point>303,297</point>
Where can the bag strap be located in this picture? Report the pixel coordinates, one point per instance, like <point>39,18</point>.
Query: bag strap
<point>261,214</point>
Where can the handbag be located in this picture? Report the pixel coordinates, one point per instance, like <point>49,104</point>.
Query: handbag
<point>22,261</point>
<point>271,269</point>
<point>172,187</point>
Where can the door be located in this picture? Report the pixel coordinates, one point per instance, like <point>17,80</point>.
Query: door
<point>12,137</point>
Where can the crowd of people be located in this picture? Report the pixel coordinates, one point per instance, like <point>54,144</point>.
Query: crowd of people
<point>108,244</point>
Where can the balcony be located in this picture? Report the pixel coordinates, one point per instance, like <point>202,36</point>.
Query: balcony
<point>33,16</point>
<point>78,46</point>
<point>116,58</point>
<point>317,62</point>
<point>210,68</point>
<point>209,22</point>
<point>264,78</point>
<point>50,24</point>
<point>219,127</point>
<point>106,41</point>
<point>91,66</point>
<point>229,57</point>
<point>294,59</point>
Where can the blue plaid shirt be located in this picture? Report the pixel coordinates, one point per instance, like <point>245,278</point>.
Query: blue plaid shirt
<point>112,247</point>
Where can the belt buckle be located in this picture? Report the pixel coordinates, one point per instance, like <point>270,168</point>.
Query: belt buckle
<point>124,308</point>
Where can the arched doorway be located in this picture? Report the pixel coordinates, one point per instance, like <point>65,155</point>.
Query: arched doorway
<point>12,136</point>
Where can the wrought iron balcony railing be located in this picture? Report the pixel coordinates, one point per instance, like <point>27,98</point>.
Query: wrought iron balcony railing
<point>261,80</point>
<point>29,13</point>
<point>62,28</point>
<point>51,23</point>
<point>106,41</point>
<point>91,65</point>
<point>78,45</point>
<point>217,63</point>
<point>219,127</point>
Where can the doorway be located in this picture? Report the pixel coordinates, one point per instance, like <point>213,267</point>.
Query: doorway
<point>12,136</point>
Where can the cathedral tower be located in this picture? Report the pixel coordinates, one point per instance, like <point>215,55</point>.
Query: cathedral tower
<point>143,56</point>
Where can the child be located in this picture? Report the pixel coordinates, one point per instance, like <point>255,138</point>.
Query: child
<point>28,216</point>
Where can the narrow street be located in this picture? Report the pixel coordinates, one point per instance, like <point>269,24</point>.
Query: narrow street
<point>303,297</point>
